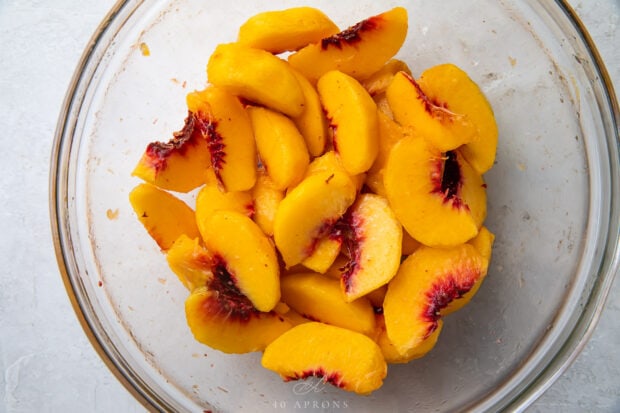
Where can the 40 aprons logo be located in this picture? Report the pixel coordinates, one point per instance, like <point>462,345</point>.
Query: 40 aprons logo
<point>307,387</point>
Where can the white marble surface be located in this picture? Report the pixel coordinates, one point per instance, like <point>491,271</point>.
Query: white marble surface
<point>47,364</point>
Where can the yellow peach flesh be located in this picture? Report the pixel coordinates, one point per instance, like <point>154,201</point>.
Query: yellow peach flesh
<point>308,211</point>
<point>376,246</point>
<point>259,77</point>
<point>228,132</point>
<point>454,88</point>
<point>177,165</point>
<point>290,29</point>
<point>211,198</point>
<point>266,199</point>
<point>359,51</point>
<point>352,115</point>
<point>281,147</point>
<point>319,298</point>
<point>229,323</point>
<point>410,106</point>
<point>164,216</point>
<point>247,254</point>
<point>343,358</point>
<point>312,122</point>
<point>439,199</point>
<point>190,261</point>
<point>427,281</point>
<point>483,243</point>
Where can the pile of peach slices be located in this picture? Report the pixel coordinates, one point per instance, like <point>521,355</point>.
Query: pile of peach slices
<point>339,201</point>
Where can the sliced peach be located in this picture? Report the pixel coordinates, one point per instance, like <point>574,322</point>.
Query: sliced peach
<point>319,298</point>
<point>190,261</point>
<point>411,107</point>
<point>228,131</point>
<point>352,115</point>
<point>483,243</point>
<point>286,30</point>
<point>452,88</point>
<point>343,358</point>
<point>164,216</point>
<point>325,252</point>
<point>224,319</point>
<point>427,281</point>
<point>239,245</point>
<point>439,199</point>
<point>309,211</point>
<point>177,165</point>
<point>391,354</point>
<point>390,132</point>
<point>312,122</point>
<point>373,237</point>
<point>257,76</point>
<point>281,146</point>
<point>331,161</point>
<point>359,51</point>
<point>211,198</point>
<point>266,199</point>
<point>378,82</point>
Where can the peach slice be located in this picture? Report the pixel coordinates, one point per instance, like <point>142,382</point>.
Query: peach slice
<point>228,131</point>
<point>309,211</point>
<point>427,281</point>
<point>359,51</point>
<point>281,147</point>
<point>224,319</point>
<point>483,243</point>
<point>239,245</point>
<point>286,30</point>
<point>392,356</point>
<point>266,199</point>
<point>257,76</point>
<point>454,90</point>
<point>343,358</point>
<point>312,123</point>
<point>378,82</point>
<point>177,165</point>
<point>352,115</point>
<point>211,198</point>
<point>439,199</point>
<point>190,261</point>
<point>164,216</point>
<point>411,107</point>
<point>319,298</point>
<point>390,132</point>
<point>331,161</point>
<point>325,252</point>
<point>373,238</point>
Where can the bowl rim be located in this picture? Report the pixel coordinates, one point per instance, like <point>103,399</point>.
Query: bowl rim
<point>120,12</point>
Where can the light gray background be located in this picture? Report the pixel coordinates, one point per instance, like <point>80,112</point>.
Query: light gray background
<point>47,364</point>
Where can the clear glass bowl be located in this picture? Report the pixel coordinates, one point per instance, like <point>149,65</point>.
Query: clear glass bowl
<point>552,195</point>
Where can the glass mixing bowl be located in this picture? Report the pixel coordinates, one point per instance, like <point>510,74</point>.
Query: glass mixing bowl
<point>552,197</point>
